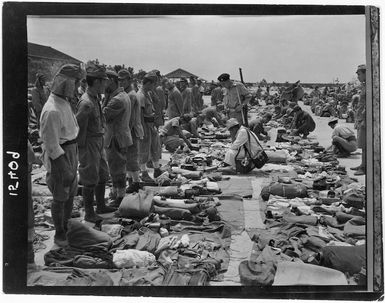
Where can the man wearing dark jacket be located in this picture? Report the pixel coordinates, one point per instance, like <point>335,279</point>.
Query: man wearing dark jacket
<point>117,113</point>
<point>303,123</point>
<point>93,168</point>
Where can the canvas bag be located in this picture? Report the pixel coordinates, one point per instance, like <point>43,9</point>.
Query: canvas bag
<point>138,205</point>
<point>248,162</point>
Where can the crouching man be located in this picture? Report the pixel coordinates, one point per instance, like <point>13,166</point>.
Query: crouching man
<point>172,135</point>
<point>344,140</point>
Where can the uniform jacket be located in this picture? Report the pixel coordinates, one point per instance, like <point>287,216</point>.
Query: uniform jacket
<point>117,113</point>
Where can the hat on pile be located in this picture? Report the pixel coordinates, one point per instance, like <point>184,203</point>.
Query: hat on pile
<point>333,120</point>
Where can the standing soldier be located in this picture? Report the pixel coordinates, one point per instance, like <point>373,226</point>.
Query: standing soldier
<point>216,95</point>
<point>187,96</point>
<point>360,119</point>
<point>136,128</point>
<point>175,101</point>
<point>161,106</point>
<point>59,130</point>
<point>148,147</point>
<point>236,97</point>
<point>117,112</point>
<point>39,94</point>
<point>159,102</point>
<point>195,104</point>
<point>201,93</point>
<point>93,169</point>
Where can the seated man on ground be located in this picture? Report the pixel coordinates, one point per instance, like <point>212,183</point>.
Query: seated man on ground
<point>240,135</point>
<point>344,140</point>
<point>211,115</point>
<point>190,128</point>
<point>302,124</point>
<point>256,126</point>
<point>171,134</point>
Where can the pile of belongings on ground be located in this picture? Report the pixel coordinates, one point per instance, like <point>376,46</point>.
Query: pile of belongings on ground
<point>170,233</point>
<point>314,223</point>
<point>158,236</point>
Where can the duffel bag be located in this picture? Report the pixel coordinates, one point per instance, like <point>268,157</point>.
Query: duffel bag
<point>354,199</point>
<point>277,157</point>
<point>289,191</point>
<point>262,274</point>
<point>176,203</point>
<point>174,213</point>
<point>138,205</point>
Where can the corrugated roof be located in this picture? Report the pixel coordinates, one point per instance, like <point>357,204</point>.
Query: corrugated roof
<point>178,73</point>
<point>47,52</point>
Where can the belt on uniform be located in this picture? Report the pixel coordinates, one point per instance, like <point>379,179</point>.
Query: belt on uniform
<point>74,141</point>
<point>149,119</point>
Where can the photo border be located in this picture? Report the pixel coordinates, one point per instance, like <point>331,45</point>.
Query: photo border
<point>15,141</point>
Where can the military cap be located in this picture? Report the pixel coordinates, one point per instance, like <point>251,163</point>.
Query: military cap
<point>156,72</point>
<point>97,71</point>
<point>124,74</point>
<point>152,76</point>
<point>111,73</point>
<point>71,70</point>
<point>224,77</point>
<point>361,67</point>
<point>183,79</point>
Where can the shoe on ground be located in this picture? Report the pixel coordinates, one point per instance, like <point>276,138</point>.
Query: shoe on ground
<point>360,172</point>
<point>116,203</point>
<point>133,188</point>
<point>146,177</point>
<point>157,172</point>
<point>356,168</point>
<point>105,209</point>
<point>228,170</point>
<point>93,218</point>
<point>60,240</point>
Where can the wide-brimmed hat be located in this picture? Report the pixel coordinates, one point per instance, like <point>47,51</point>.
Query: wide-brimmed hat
<point>333,120</point>
<point>231,123</point>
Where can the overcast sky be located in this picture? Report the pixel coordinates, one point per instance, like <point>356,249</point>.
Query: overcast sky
<point>277,48</point>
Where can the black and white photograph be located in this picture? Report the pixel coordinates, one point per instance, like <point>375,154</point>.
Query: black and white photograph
<point>231,147</point>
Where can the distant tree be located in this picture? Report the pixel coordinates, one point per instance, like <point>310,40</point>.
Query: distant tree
<point>130,69</point>
<point>117,68</point>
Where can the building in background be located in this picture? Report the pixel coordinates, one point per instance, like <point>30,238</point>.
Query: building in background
<point>46,60</point>
<point>177,74</point>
